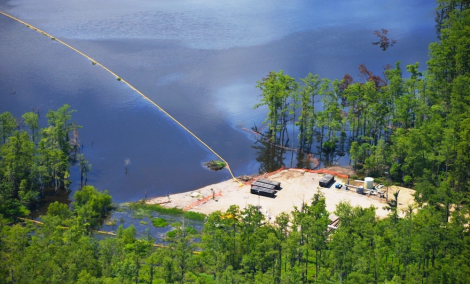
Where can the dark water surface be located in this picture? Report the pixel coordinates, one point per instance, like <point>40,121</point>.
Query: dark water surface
<point>199,60</point>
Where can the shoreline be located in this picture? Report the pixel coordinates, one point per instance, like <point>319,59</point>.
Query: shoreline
<point>298,186</point>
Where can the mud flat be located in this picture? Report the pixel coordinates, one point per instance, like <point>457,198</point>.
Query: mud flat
<point>297,187</point>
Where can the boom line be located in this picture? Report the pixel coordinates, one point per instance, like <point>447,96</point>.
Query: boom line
<point>94,62</point>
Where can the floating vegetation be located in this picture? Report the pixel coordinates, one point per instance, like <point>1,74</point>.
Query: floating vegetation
<point>139,213</point>
<point>159,222</point>
<point>189,231</point>
<point>111,222</point>
<point>93,63</point>
<point>215,165</point>
<point>53,38</point>
<point>143,222</point>
<point>118,78</point>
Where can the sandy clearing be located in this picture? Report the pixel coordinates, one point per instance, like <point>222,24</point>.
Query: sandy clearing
<point>297,187</point>
<point>405,197</point>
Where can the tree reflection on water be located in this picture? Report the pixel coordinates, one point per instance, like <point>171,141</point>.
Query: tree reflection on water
<point>273,156</point>
<point>269,156</point>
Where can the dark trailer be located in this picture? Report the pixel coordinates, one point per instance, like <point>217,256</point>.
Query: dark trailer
<point>262,191</point>
<point>266,185</point>
<point>276,184</point>
<point>326,180</point>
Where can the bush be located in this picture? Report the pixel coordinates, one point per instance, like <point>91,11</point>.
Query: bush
<point>408,180</point>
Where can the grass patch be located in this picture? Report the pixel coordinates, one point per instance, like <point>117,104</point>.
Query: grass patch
<point>150,208</point>
<point>143,222</point>
<point>195,216</point>
<point>215,165</point>
<point>159,222</point>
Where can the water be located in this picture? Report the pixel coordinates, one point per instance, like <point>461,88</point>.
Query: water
<point>200,61</point>
<point>144,227</point>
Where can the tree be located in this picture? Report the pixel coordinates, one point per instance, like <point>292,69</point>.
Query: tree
<point>294,105</point>
<point>91,206</point>
<point>276,89</point>
<point>85,168</point>
<point>7,125</point>
<point>182,247</point>
<point>31,119</point>
<point>306,120</point>
<point>216,244</point>
<point>384,41</point>
<point>60,127</point>
<point>16,166</point>
<point>317,227</point>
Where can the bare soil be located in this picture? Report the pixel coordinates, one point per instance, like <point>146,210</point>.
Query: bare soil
<point>297,187</point>
<point>342,170</point>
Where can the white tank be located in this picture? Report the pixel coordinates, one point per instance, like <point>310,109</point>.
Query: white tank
<point>369,183</point>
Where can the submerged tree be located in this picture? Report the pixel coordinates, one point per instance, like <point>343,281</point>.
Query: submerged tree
<point>33,159</point>
<point>276,89</point>
<point>85,168</point>
<point>127,162</point>
<point>306,121</point>
<point>384,42</point>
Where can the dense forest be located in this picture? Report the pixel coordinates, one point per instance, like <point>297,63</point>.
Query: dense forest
<point>35,160</point>
<point>414,129</point>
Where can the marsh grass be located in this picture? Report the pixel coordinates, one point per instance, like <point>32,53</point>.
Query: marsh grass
<point>141,210</point>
